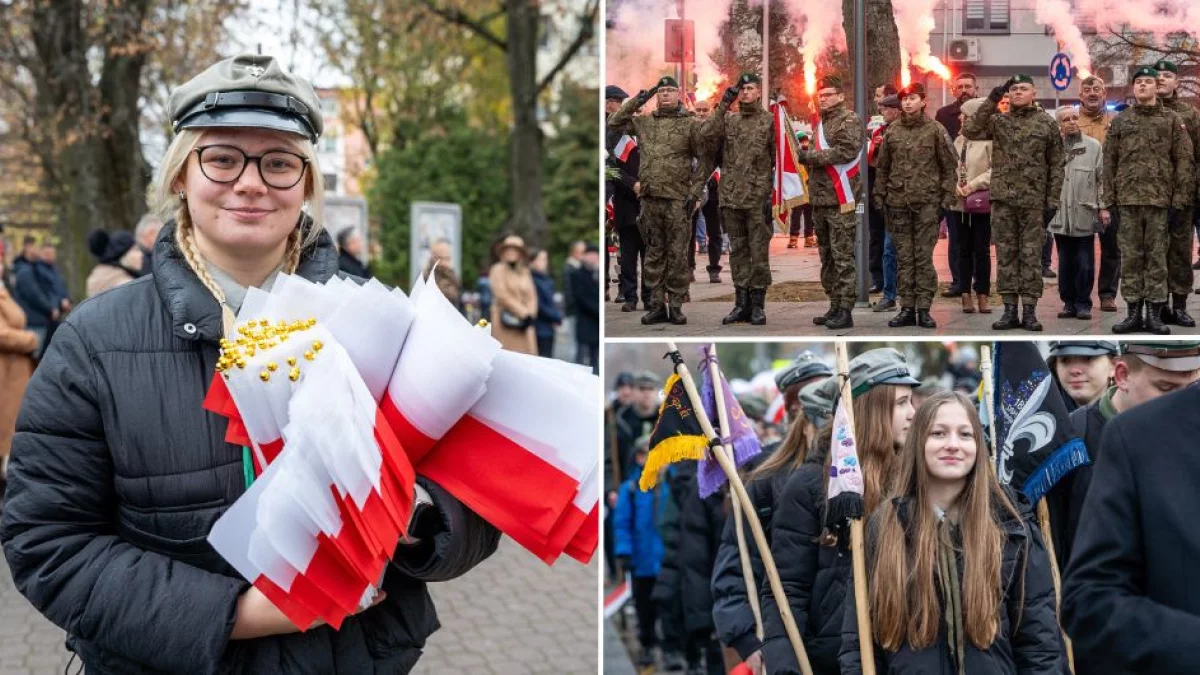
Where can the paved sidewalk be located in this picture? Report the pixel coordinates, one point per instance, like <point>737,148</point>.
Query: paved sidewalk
<point>795,318</point>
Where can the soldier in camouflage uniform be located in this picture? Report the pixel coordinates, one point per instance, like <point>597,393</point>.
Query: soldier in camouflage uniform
<point>915,179</point>
<point>836,223</point>
<point>1027,178</point>
<point>668,139</point>
<point>1180,221</point>
<point>1147,171</point>
<point>746,141</point>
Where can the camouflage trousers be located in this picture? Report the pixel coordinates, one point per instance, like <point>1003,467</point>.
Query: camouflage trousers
<point>1179,251</point>
<point>665,228</point>
<point>749,247</point>
<point>835,239</point>
<point>1143,237</point>
<point>1018,234</point>
<point>915,231</point>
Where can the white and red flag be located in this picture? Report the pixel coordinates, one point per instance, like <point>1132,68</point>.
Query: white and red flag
<point>788,191</point>
<point>625,147</point>
<point>841,174</point>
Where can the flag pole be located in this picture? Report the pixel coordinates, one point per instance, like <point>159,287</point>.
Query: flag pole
<point>714,374</point>
<point>1043,511</point>
<point>739,491</point>
<point>866,639</point>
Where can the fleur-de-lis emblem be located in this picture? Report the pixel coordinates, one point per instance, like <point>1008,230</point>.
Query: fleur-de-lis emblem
<point>255,71</point>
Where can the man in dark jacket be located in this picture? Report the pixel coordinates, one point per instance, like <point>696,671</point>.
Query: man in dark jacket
<point>1144,371</point>
<point>585,287</point>
<point>1130,602</point>
<point>624,158</point>
<point>350,249</point>
<point>34,292</point>
<point>964,90</point>
<point>123,565</point>
<point>637,419</point>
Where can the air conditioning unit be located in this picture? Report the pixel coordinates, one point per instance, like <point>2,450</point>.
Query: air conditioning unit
<point>963,50</point>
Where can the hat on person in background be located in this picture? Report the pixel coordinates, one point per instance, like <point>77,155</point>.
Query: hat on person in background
<point>1176,357</point>
<point>879,366</point>
<point>805,366</point>
<point>109,247</point>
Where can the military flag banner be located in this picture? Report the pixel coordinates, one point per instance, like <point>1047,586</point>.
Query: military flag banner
<point>790,177</point>
<point>677,434</point>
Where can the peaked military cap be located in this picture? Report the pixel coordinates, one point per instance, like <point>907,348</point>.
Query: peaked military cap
<point>879,366</point>
<point>1083,348</point>
<point>816,398</point>
<point>1178,357</point>
<point>805,367</point>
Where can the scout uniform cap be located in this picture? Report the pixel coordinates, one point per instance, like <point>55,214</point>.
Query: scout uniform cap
<point>816,398</point>
<point>668,81</point>
<point>1083,348</point>
<point>1021,78</point>
<point>250,90</point>
<point>754,406</point>
<point>748,78</point>
<point>613,92</point>
<point>806,366</point>
<point>1177,357</point>
<point>1145,71</point>
<point>890,101</point>
<point>646,380</point>
<point>1166,65</point>
<point>879,366</point>
<point>914,88</point>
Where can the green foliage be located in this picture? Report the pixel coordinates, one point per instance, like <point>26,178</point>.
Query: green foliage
<point>571,166</point>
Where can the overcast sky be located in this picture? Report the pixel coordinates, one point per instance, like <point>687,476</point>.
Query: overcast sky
<point>270,26</point>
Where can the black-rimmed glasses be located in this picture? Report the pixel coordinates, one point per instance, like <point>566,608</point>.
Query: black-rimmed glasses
<point>279,169</point>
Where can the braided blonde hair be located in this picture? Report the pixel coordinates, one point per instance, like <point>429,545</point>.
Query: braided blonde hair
<point>165,202</point>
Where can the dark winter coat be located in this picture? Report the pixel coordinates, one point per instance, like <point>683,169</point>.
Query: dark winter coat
<point>1131,601</point>
<point>118,474</point>
<point>32,292</point>
<point>732,616</point>
<point>636,525</point>
<point>548,315</point>
<point>814,577</point>
<point>1065,500</point>
<point>1028,641</point>
<point>52,280</point>
<point>352,266</point>
<point>585,287</point>
<point>692,556</point>
<point>948,115</point>
<point>624,199</point>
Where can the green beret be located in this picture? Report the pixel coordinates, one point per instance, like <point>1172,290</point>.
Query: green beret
<point>1022,78</point>
<point>668,81</point>
<point>1166,65</point>
<point>1145,71</point>
<point>748,78</point>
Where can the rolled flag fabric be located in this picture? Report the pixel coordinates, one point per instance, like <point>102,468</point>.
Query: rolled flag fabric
<point>740,434</point>
<point>788,191</point>
<point>1037,444</point>
<point>845,492</point>
<point>677,435</point>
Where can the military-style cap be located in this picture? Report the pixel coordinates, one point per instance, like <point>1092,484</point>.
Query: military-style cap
<point>624,379</point>
<point>1144,71</point>
<point>1167,65</point>
<point>816,398</point>
<point>879,366</point>
<point>805,367</point>
<point>613,92</point>
<point>250,90</point>
<point>1083,348</point>
<point>830,82</point>
<point>646,380</point>
<point>1177,357</point>
<point>1021,78</point>
<point>749,78</point>
<point>915,88</point>
<point>667,81</point>
<point>754,406</point>
<point>892,101</point>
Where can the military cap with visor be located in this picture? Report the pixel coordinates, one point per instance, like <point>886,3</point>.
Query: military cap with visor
<point>890,101</point>
<point>879,366</point>
<point>247,91</point>
<point>816,398</point>
<point>1176,357</point>
<point>829,82</point>
<point>1083,348</point>
<point>805,367</point>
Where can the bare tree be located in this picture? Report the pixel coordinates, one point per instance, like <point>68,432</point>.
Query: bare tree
<point>883,42</point>
<point>1123,47</point>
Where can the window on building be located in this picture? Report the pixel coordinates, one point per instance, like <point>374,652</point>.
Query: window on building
<point>986,17</point>
<point>331,182</point>
<point>329,106</point>
<point>329,143</point>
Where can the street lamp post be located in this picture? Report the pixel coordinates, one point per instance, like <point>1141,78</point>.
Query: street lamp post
<point>862,252</point>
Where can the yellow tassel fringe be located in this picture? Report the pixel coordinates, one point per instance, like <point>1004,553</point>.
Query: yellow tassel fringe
<point>674,449</point>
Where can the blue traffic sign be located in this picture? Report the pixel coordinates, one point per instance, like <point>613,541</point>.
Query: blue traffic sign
<point>1060,71</point>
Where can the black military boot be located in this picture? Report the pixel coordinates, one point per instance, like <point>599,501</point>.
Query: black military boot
<point>1029,318</point>
<point>924,320</point>
<point>843,319</point>
<point>657,314</point>
<point>1132,322</point>
<point>1179,304</point>
<point>758,307</point>
<point>741,306</point>
<point>820,320</point>
<point>906,317</point>
<point>1153,322</point>
<point>1008,320</point>
<point>676,317</point>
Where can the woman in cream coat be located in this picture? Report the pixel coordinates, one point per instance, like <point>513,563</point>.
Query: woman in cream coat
<point>514,298</point>
<point>974,229</point>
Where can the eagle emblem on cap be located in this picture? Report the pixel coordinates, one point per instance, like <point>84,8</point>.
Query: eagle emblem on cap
<point>255,71</point>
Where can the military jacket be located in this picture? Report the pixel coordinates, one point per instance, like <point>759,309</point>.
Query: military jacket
<point>1148,160</point>
<point>746,140</point>
<point>669,140</point>
<point>1027,155</point>
<point>1191,118</point>
<point>916,164</point>
<point>844,133</point>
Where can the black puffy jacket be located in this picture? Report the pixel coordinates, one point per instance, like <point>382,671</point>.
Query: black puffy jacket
<point>814,577</point>
<point>117,475</point>
<point>1028,641</point>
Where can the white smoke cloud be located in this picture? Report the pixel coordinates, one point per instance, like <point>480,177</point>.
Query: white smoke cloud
<point>822,29</point>
<point>914,23</point>
<point>1058,15</point>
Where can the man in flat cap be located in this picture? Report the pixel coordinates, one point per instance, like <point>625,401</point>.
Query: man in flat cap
<point>916,172</point>
<point>1180,221</point>
<point>834,185</point>
<point>669,186</point>
<point>1027,177</point>
<point>624,158</point>
<point>1147,171</point>
<point>746,142</point>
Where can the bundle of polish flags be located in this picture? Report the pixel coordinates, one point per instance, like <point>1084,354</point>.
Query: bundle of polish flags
<point>341,394</point>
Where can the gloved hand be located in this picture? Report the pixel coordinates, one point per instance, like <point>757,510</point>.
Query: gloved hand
<point>999,92</point>
<point>730,94</point>
<point>1048,215</point>
<point>645,95</point>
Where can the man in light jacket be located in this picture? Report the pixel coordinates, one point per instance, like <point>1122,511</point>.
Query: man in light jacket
<point>1074,225</point>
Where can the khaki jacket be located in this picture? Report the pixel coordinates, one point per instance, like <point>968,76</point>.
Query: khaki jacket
<point>512,290</point>
<point>1076,215</point>
<point>977,169</point>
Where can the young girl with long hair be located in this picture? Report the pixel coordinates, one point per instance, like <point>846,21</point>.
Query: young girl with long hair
<point>958,578</point>
<point>813,565</point>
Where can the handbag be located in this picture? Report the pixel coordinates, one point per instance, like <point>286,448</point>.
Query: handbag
<point>510,320</point>
<point>979,201</point>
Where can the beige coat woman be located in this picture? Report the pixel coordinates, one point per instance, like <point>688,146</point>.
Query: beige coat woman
<point>513,292</point>
<point>977,169</point>
<point>16,366</point>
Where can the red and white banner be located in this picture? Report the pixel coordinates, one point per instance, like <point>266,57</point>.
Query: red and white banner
<point>788,191</point>
<point>841,174</point>
<point>625,147</point>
